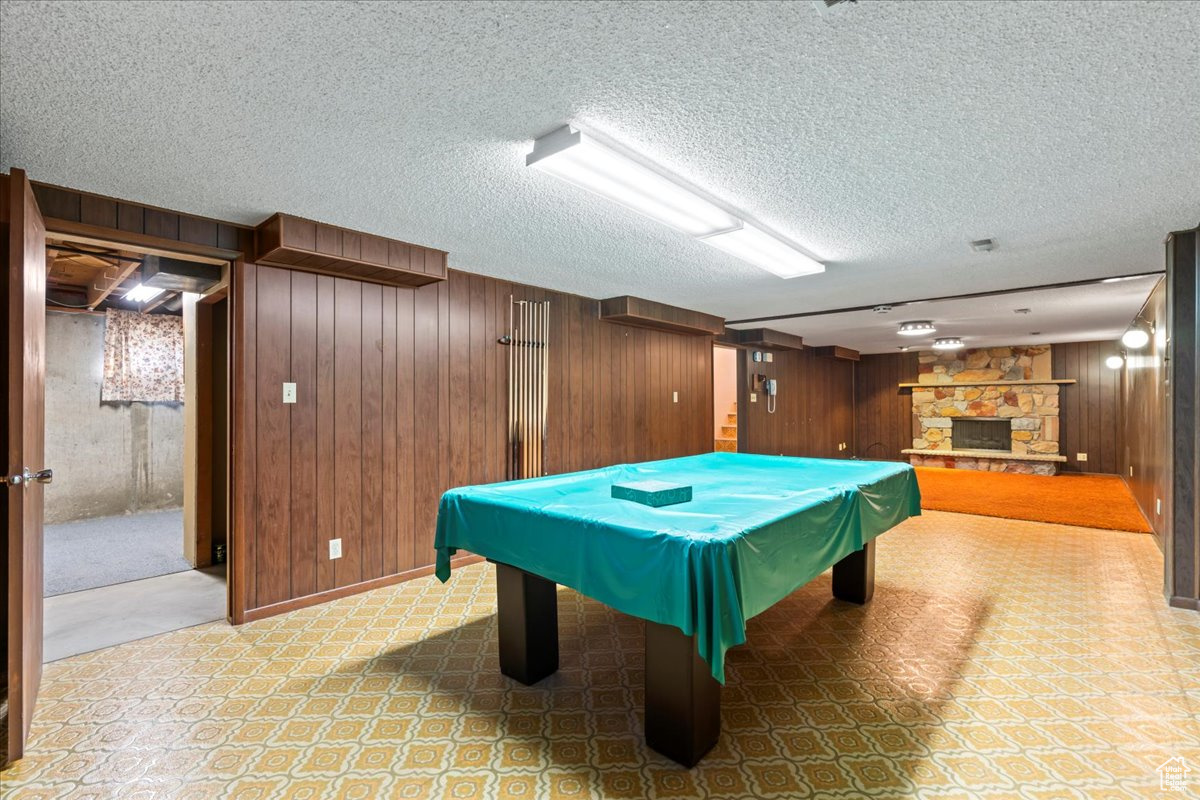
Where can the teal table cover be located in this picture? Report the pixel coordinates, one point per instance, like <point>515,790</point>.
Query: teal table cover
<point>757,528</point>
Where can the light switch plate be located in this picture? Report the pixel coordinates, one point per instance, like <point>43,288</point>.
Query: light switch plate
<point>1081,456</point>
<point>769,357</point>
<point>289,393</point>
<point>753,397</point>
<point>674,397</point>
<point>335,549</point>
<point>756,356</point>
<point>1158,505</point>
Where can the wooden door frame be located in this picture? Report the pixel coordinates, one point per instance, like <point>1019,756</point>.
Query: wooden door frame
<point>93,234</point>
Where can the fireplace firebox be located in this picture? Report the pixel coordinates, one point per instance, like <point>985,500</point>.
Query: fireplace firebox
<point>981,433</point>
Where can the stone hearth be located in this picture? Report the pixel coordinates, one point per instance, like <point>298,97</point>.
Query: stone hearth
<point>971,384</point>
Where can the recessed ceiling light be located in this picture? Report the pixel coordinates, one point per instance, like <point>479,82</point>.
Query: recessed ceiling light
<point>142,293</point>
<point>919,327</point>
<point>984,245</point>
<point>948,343</point>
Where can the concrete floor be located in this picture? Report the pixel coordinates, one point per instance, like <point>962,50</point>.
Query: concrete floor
<point>80,622</point>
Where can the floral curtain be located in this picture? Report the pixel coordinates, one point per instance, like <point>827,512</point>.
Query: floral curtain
<point>143,357</point>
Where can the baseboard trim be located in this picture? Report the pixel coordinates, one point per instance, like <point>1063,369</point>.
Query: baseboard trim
<point>275,609</point>
<point>1190,603</point>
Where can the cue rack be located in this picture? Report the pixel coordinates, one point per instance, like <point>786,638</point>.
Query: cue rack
<point>528,341</point>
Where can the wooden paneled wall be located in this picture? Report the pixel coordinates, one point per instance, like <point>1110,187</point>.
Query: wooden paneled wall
<point>882,410</point>
<point>814,406</point>
<point>401,394</point>
<point>1145,404</point>
<point>1089,411</point>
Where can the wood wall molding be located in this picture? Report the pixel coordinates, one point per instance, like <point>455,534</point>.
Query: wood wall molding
<point>289,241</point>
<point>641,313</point>
<point>768,339</point>
<point>833,351</point>
<point>346,591</point>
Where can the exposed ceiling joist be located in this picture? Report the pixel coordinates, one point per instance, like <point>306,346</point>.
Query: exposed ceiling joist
<point>109,280</point>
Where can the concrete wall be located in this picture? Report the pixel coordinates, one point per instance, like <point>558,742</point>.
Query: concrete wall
<point>108,458</point>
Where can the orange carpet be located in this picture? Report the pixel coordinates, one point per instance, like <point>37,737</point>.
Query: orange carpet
<point>1090,501</point>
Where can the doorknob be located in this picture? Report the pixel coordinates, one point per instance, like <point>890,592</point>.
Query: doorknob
<point>25,477</point>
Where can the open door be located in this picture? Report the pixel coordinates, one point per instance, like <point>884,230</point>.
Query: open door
<point>23,346</point>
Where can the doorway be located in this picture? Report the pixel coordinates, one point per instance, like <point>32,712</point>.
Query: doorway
<point>725,411</point>
<point>135,429</point>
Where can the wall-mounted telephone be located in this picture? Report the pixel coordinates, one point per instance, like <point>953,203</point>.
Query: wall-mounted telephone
<point>770,388</point>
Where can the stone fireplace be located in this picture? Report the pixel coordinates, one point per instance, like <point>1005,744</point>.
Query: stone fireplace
<point>992,409</point>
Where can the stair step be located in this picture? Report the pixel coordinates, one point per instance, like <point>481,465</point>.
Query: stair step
<point>731,419</point>
<point>724,445</point>
<point>729,430</point>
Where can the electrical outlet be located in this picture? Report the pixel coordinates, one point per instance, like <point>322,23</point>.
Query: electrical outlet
<point>289,393</point>
<point>753,397</point>
<point>675,397</point>
<point>335,549</point>
<point>1158,505</point>
<point>1081,456</point>
<point>769,357</point>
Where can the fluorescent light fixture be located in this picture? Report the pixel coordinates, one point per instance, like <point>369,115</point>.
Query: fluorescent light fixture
<point>578,158</point>
<point>919,327</point>
<point>142,293</point>
<point>1114,361</point>
<point>756,246</point>
<point>948,343</point>
<point>1136,337</point>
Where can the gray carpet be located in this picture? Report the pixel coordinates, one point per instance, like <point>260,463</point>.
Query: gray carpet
<point>107,550</point>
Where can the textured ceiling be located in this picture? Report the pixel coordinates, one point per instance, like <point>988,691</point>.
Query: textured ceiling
<point>881,136</point>
<point>1097,312</point>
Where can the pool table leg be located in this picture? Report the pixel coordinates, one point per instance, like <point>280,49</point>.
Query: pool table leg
<point>527,618</point>
<point>854,575</point>
<point>683,700</point>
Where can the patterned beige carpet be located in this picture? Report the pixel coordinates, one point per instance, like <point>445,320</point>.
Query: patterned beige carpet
<point>998,659</point>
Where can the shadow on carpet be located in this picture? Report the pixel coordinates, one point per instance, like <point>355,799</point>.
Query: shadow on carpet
<point>106,550</point>
<point>1089,501</point>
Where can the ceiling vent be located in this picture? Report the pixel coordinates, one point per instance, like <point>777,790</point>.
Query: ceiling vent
<point>884,309</point>
<point>984,245</point>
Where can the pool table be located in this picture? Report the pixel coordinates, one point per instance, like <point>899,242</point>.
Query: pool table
<point>757,527</point>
